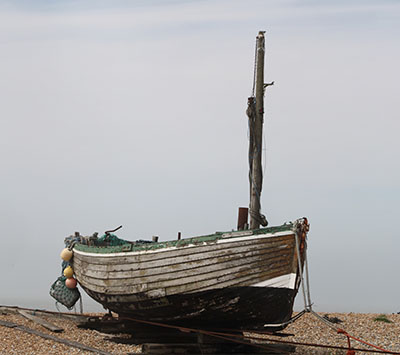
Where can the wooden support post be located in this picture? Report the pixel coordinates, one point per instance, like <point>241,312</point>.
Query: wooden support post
<point>242,218</point>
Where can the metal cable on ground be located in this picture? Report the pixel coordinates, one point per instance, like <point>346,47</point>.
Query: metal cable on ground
<point>225,336</point>
<point>231,337</point>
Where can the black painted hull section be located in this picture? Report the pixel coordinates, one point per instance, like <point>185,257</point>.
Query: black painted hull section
<point>234,307</point>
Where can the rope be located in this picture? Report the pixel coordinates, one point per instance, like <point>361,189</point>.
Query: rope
<point>325,346</point>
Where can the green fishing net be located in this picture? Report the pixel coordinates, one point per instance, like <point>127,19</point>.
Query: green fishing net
<point>61,293</point>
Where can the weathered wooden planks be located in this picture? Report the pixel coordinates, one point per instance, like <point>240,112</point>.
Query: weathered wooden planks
<point>177,259</point>
<point>189,275</point>
<point>40,321</point>
<point>239,276</point>
<point>203,278</point>
<point>237,261</point>
<point>59,315</point>
<point>173,252</point>
<point>183,269</point>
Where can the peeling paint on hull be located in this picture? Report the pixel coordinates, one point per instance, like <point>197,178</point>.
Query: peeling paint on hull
<point>234,307</point>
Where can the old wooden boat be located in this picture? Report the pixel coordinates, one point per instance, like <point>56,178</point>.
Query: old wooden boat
<point>244,279</point>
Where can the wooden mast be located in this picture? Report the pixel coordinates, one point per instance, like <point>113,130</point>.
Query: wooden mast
<point>256,141</point>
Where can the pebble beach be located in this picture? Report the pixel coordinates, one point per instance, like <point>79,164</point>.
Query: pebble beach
<point>384,333</point>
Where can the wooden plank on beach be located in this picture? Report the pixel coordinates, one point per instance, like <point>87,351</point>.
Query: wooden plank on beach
<point>71,343</point>
<point>41,321</point>
<point>70,316</point>
<point>215,348</point>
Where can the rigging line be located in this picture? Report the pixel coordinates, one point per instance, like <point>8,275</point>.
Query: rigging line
<point>296,234</point>
<point>255,188</point>
<point>255,67</point>
<point>251,156</point>
<point>263,166</point>
<point>264,163</point>
<point>307,273</point>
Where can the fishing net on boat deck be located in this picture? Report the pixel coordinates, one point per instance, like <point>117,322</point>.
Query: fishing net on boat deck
<point>110,240</point>
<point>107,240</point>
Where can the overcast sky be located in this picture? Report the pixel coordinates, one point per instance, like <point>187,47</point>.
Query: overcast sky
<point>133,113</point>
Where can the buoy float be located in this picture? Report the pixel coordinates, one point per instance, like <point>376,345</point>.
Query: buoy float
<point>70,282</point>
<point>66,254</point>
<point>68,272</point>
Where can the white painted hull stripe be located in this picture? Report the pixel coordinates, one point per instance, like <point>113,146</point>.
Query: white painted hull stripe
<point>284,281</point>
<point>253,237</point>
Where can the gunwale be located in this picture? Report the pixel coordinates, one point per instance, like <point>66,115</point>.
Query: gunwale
<point>219,238</point>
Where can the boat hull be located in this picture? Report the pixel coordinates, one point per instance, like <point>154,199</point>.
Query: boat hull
<point>234,280</point>
<point>234,308</point>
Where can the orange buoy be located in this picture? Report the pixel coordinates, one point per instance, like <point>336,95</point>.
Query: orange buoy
<point>66,254</point>
<point>70,282</point>
<point>68,272</point>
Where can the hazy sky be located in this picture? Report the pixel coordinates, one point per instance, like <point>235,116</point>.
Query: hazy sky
<point>133,113</point>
